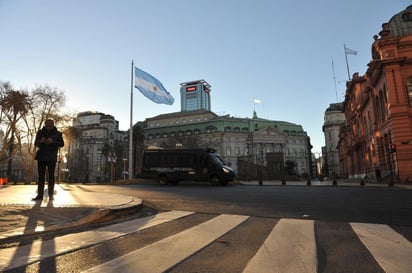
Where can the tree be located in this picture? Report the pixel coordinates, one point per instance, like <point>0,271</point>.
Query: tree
<point>22,114</point>
<point>14,107</point>
<point>45,102</point>
<point>290,167</point>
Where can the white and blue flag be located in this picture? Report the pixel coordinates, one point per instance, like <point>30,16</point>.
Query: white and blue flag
<point>350,51</point>
<point>151,87</point>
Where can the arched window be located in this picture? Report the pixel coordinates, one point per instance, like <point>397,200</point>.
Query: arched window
<point>378,110</point>
<point>211,129</point>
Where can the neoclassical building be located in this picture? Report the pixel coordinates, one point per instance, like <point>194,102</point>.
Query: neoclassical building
<point>94,147</point>
<point>254,140</point>
<point>334,118</point>
<point>378,107</point>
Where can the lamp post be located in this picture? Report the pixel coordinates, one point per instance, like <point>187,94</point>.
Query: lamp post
<point>309,167</point>
<point>124,168</point>
<point>59,160</point>
<point>260,167</point>
<point>112,159</point>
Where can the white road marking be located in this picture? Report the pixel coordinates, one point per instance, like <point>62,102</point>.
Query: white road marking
<point>160,256</point>
<point>290,247</point>
<point>19,256</point>
<point>391,250</point>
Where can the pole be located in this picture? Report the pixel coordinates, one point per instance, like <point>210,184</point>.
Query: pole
<point>131,126</point>
<point>390,155</point>
<point>334,80</point>
<point>346,58</point>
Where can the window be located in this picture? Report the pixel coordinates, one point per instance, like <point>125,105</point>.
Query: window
<point>211,129</point>
<point>409,87</point>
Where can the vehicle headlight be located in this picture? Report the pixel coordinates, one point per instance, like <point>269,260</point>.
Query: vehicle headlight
<point>226,170</point>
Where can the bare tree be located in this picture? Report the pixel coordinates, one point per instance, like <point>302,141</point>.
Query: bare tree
<point>22,114</point>
<point>45,102</point>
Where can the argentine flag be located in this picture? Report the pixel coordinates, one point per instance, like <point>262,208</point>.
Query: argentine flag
<point>151,87</point>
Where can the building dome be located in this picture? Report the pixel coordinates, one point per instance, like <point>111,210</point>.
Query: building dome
<point>400,24</point>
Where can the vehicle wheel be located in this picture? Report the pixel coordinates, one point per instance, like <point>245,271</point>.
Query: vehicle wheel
<point>214,180</point>
<point>163,179</point>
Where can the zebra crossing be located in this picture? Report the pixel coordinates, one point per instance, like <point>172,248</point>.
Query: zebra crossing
<point>290,245</point>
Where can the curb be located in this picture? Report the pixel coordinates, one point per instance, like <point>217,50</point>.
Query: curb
<point>97,217</point>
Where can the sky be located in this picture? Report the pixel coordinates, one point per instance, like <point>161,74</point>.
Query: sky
<point>277,51</point>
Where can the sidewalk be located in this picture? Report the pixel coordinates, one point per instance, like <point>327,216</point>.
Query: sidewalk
<point>327,183</point>
<point>74,205</point>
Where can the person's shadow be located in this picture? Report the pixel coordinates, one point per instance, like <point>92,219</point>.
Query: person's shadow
<point>34,248</point>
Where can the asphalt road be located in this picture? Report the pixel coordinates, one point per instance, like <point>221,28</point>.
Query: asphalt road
<point>385,205</point>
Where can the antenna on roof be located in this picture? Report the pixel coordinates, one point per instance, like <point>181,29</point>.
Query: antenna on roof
<point>334,80</point>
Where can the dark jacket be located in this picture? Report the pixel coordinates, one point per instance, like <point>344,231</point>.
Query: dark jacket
<point>48,152</point>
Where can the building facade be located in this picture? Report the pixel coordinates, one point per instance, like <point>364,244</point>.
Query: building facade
<point>378,107</point>
<point>334,119</point>
<point>96,147</point>
<point>195,95</point>
<point>253,141</point>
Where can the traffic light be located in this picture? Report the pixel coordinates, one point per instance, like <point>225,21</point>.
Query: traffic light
<point>393,148</point>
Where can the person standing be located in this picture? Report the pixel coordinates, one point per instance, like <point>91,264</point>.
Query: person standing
<point>378,174</point>
<point>48,141</point>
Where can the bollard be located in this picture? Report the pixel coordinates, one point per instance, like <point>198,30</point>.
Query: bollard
<point>4,180</point>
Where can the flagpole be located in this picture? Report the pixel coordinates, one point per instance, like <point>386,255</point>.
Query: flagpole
<point>346,58</point>
<point>131,127</point>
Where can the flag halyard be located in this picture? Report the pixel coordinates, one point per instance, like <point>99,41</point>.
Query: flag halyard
<point>151,87</point>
